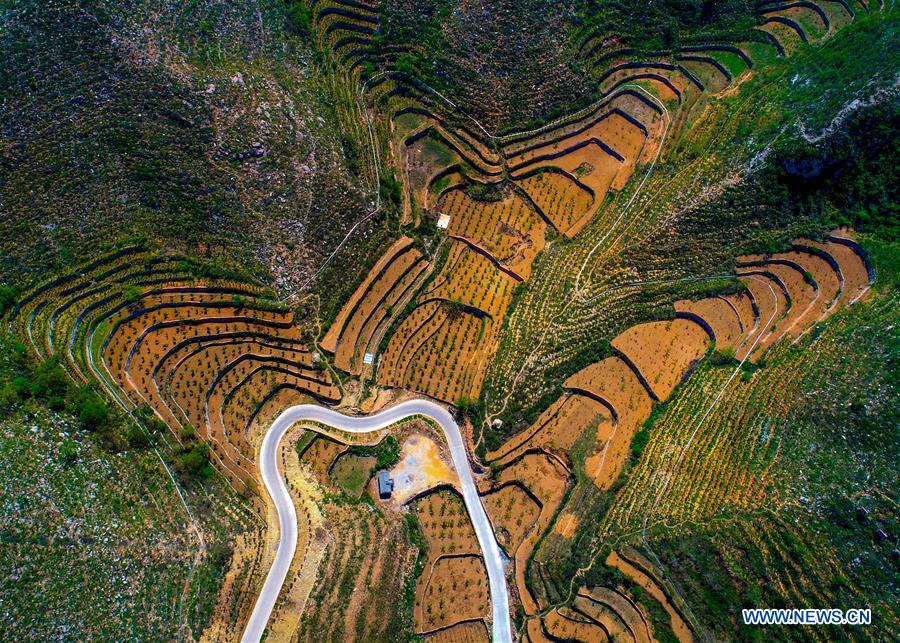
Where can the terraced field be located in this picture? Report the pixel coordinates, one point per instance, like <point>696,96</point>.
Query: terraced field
<point>496,229</point>
<point>342,553</point>
<point>590,433</point>
<point>453,587</point>
<point>559,176</point>
<point>646,254</point>
<point>355,335</point>
<point>206,354</point>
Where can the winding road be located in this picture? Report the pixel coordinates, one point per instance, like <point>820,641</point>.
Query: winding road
<point>287,514</point>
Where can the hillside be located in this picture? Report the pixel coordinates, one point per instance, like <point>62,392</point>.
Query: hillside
<point>201,129</point>
<point>456,321</point>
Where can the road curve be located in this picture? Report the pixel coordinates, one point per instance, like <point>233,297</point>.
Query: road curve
<point>287,515</point>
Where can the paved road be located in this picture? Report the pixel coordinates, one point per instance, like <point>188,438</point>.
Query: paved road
<point>287,515</point>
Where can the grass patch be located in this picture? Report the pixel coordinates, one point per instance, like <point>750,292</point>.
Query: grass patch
<point>352,472</point>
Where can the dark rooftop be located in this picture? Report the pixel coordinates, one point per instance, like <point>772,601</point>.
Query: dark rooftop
<point>385,484</point>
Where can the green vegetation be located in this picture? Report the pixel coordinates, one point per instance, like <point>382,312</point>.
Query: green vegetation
<point>850,173</point>
<point>665,24</point>
<point>181,159</point>
<point>92,412</point>
<point>299,17</point>
<point>194,461</point>
<point>414,536</point>
<point>402,23</point>
<point>761,212</point>
<point>391,191</point>
<point>77,479</point>
<point>723,357</point>
<point>386,453</point>
<point>639,441</point>
<point>523,83</point>
<point>484,191</point>
<point>8,296</point>
<point>48,379</point>
<point>352,472</point>
<point>211,269</point>
<point>370,554</point>
<point>826,398</point>
<point>472,410</point>
<point>437,151</point>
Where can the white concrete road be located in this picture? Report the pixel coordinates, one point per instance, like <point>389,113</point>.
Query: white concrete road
<point>287,515</point>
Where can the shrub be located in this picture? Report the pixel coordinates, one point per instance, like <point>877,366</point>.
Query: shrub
<point>194,462</point>
<point>723,357</point>
<point>137,439</point>
<point>408,65</point>
<point>386,453</point>
<point>854,169</point>
<point>639,442</point>
<point>132,294</point>
<point>22,387</point>
<point>188,433</point>
<point>220,555</point>
<point>391,191</point>
<point>485,192</point>
<point>92,412</point>
<point>8,296</point>
<point>68,451</point>
<point>9,396</point>
<point>299,18</point>
<point>49,380</point>
<point>472,409</point>
<point>149,419</point>
<point>93,415</point>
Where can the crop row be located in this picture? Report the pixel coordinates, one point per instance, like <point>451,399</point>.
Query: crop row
<point>364,318</point>
<point>592,429</point>
<point>507,229</point>
<point>202,351</point>
<point>453,585</point>
<point>442,347</point>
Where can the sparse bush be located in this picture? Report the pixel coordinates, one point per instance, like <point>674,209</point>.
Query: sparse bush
<point>8,295</point>
<point>194,462</point>
<point>68,451</point>
<point>93,415</point>
<point>48,379</point>
<point>136,438</point>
